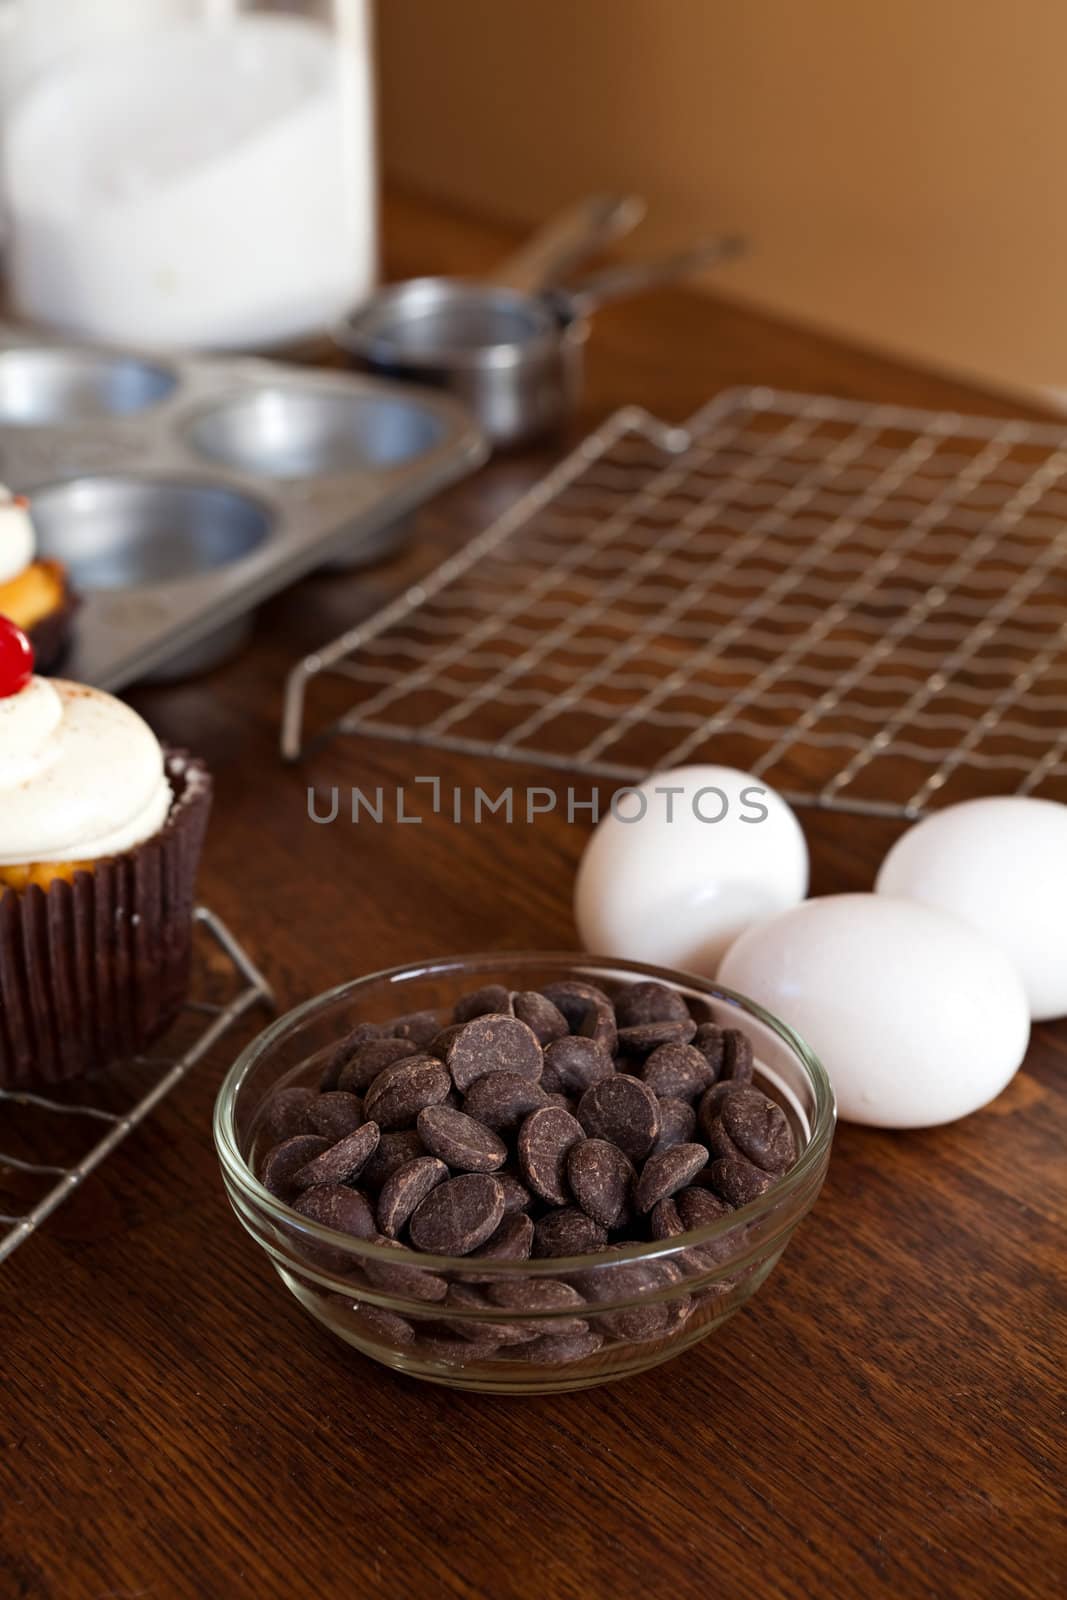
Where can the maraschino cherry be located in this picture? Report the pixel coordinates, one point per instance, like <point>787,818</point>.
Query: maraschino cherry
<point>16,659</point>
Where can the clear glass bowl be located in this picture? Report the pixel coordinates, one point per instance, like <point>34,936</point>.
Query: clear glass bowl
<point>435,1317</point>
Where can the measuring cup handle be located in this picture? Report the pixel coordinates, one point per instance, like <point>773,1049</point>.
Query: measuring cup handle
<point>553,250</point>
<point>632,277</point>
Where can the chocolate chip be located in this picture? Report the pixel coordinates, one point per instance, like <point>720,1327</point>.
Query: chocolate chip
<point>341,1162</point>
<point>405,1189</point>
<point>567,1232</point>
<point>737,1181</point>
<point>708,1039</point>
<point>645,1037</point>
<point>493,997</point>
<point>398,1094</point>
<point>633,1280</point>
<point>600,1177</point>
<point>336,1206</point>
<point>698,1207</point>
<point>573,997</point>
<point>623,1111</point>
<point>404,1279</point>
<point>384,1326</point>
<point>544,1140</point>
<point>599,1025</point>
<point>369,1059</point>
<point>441,1042</point>
<point>334,1114</point>
<point>550,1079</point>
<point>558,1349</point>
<point>650,1002</point>
<point>668,1172</point>
<point>573,1063</point>
<point>420,1027</point>
<point>677,1072</point>
<point>665,1221</point>
<point>287,1114</point>
<point>516,1195</point>
<point>710,1106</point>
<point>738,1061</point>
<point>392,1152</point>
<point>587,1010</point>
<point>677,1122</point>
<point>477,1325</point>
<point>679,1309</point>
<point>493,1043</point>
<point>540,1295</point>
<point>512,1241</point>
<point>342,1053</point>
<point>285,1160</point>
<point>540,1015</point>
<point>502,1100</point>
<point>754,1127</point>
<point>458,1216</point>
<point>452,1350</point>
<point>465,1144</point>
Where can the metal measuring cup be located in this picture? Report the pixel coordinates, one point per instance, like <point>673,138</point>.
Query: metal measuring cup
<point>512,349</point>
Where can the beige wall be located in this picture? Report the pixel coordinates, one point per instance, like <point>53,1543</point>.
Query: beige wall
<point>900,165</point>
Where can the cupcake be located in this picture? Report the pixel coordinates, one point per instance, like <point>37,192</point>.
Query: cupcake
<point>100,836</point>
<point>36,595</point>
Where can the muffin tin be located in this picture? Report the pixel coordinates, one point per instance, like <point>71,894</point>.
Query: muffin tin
<point>181,493</point>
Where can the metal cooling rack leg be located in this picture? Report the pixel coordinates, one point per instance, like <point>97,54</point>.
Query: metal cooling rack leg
<point>239,956</point>
<point>296,686</point>
<point>258,992</point>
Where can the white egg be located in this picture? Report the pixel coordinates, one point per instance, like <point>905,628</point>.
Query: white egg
<point>686,862</point>
<point>1001,865</point>
<point>917,1018</point>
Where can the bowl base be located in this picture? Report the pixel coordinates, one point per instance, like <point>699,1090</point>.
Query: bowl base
<point>513,1378</point>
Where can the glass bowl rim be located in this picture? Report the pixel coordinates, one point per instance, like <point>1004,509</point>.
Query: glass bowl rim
<point>238,1170</point>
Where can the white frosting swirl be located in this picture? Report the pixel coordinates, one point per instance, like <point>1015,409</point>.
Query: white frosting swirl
<point>81,775</point>
<point>18,545</point>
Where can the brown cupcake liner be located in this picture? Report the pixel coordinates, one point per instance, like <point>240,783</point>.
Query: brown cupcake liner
<point>51,635</point>
<point>93,971</point>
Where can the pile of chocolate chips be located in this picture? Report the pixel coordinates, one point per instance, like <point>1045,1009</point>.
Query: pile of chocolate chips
<point>540,1123</point>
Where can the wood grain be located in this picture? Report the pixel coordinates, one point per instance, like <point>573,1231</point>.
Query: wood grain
<point>884,1419</point>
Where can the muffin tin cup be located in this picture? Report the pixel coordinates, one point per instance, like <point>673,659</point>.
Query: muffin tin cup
<point>641,1303</point>
<point>180,493</point>
<point>49,386</point>
<point>93,970</point>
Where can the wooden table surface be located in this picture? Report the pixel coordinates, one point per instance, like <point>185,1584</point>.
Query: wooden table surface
<point>885,1418</point>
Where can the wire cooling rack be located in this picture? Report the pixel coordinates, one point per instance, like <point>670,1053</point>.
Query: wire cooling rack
<point>62,1137</point>
<point>864,605</point>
